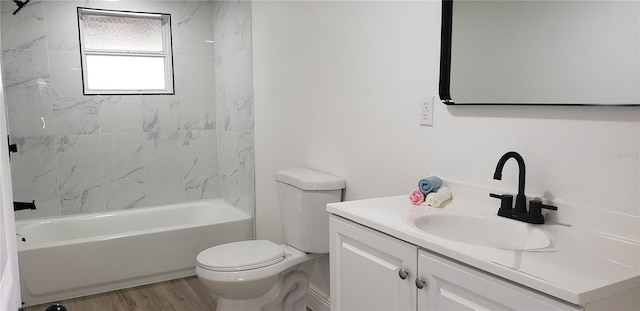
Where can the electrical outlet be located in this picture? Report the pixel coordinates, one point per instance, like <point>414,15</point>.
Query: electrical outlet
<point>426,111</point>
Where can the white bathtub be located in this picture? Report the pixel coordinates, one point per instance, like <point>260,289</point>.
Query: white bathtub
<point>74,256</point>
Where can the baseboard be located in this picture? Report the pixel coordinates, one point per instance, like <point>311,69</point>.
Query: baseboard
<point>317,300</point>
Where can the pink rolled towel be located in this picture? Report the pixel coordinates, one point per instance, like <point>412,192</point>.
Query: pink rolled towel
<point>416,197</point>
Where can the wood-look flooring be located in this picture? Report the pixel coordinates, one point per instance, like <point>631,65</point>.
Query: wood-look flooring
<point>186,294</point>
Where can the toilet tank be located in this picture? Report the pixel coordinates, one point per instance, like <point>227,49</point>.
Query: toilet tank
<point>302,196</point>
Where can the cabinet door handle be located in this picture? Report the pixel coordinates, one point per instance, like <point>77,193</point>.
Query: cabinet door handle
<point>403,274</point>
<point>420,283</point>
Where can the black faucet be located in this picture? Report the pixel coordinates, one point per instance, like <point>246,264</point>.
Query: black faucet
<point>519,212</point>
<point>521,199</point>
<point>17,206</point>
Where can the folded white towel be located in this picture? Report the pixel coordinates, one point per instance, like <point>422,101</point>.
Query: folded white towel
<point>435,199</point>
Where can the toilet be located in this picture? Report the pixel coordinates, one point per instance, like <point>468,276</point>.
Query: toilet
<point>262,275</point>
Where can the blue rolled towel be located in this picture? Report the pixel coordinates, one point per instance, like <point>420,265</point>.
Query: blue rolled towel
<point>429,184</point>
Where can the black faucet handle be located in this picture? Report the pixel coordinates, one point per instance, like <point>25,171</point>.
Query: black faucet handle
<point>551,207</point>
<point>501,196</point>
<point>535,211</point>
<point>538,205</point>
<point>506,204</point>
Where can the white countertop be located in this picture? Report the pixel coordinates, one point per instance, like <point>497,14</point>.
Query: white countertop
<point>580,267</point>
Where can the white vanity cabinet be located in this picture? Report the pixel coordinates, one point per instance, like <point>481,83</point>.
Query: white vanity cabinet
<point>370,270</point>
<point>367,270</point>
<point>452,286</point>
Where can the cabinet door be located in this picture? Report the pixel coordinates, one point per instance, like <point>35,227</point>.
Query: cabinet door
<point>366,267</point>
<point>453,286</point>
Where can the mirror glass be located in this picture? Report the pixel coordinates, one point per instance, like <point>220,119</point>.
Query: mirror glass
<point>525,52</point>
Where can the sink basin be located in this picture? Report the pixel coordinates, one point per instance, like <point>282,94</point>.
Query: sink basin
<point>495,232</point>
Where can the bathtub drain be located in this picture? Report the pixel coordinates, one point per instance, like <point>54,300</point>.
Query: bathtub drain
<point>56,307</point>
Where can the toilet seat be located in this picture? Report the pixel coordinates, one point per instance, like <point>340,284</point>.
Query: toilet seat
<point>241,256</point>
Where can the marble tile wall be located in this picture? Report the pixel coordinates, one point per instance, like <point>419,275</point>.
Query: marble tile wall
<point>83,154</point>
<point>234,102</point>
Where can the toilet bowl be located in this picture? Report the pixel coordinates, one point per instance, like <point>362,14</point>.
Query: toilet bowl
<point>259,277</point>
<point>262,275</point>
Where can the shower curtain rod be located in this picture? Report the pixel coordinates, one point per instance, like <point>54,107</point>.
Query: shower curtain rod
<point>20,5</point>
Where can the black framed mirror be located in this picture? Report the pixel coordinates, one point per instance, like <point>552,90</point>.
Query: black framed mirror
<point>540,52</point>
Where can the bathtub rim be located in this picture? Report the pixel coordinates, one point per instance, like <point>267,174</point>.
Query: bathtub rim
<point>21,224</point>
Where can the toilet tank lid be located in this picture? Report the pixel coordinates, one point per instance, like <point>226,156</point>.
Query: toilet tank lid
<point>307,179</point>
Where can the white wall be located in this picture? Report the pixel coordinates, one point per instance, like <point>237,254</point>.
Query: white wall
<point>338,86</point>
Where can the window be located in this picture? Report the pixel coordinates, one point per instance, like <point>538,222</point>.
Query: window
<point>125,52</point>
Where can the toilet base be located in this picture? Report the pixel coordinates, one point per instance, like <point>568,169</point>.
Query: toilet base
<point>289,295</point>
<point>281,286</point>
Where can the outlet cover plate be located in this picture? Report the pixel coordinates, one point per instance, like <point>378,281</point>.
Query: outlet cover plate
<point>426,111</point>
